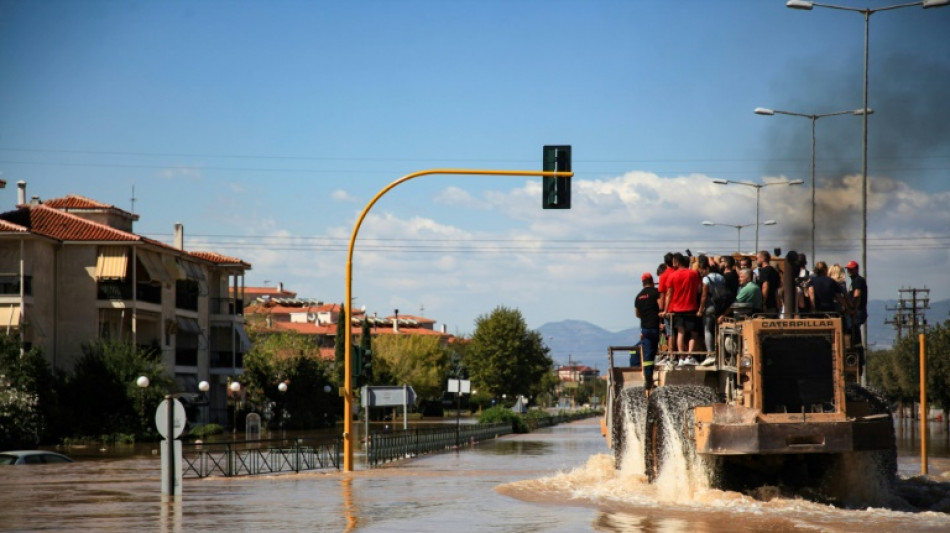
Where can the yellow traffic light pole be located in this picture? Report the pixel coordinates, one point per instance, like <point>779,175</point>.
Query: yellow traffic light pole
<point>348,307</point>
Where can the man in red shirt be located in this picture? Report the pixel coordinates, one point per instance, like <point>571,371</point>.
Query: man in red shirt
<point>682,301</point>
<point>663,286</point>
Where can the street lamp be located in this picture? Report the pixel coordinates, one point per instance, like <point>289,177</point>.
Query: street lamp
<point>234,388</point>
<point>814,118</point>
<point>738,229</point>
<point>867,12</point>
<point>758,188</point>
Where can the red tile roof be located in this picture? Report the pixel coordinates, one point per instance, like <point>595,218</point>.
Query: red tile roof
<point>269,290</point>
<point>42,219</point>
<point>419,319</point>
<point>220,259</point>
<point>9,226</point>
<point>50,222</point>
<point>81,203</point>
<point>276,309</point>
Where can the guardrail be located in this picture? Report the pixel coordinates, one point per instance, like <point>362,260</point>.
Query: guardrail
<point>245,458</point>
<point>385,447</point>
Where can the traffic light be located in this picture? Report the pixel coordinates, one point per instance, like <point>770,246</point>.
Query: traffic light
<point>362,364</point>
<point>556,192</point>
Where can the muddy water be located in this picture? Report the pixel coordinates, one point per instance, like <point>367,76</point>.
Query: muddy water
<point>556,480</point>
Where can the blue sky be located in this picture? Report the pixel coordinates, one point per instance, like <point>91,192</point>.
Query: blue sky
<point>265,127</point>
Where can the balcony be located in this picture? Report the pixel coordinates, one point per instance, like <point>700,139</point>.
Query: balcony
<point>225,359</point>
<point>227,306</point>
<point>10,285</point>
<point>122,290</point>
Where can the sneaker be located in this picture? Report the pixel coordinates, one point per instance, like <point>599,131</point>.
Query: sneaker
<point>690,361</point>
<point>708,361</point>
<point>662,360</point>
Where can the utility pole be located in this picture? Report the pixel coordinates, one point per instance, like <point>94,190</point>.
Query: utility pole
<point>910,311</point>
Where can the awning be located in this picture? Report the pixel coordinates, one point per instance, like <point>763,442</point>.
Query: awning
<point>153,265</point>
<point>9,317</point>
<point>173,268</point>
<point>192,271</point>
<point>245,342</point>
<point>188,325</point>
<point>112,262</point>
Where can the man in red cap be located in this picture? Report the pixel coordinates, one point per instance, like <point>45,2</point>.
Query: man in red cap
<point>859,301</point>
<point>647,306</point>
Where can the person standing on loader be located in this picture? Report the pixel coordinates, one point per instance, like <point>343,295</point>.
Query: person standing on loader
<point>647,306</point>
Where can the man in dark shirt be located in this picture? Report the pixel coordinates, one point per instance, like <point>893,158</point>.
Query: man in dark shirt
<point>647,306</point>
<point>859,301</point>
<point>769,281</point>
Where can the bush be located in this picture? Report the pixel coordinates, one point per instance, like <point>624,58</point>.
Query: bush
<point>499,414</point>
<point>203,431</point>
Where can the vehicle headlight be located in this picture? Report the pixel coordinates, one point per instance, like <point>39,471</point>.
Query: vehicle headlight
<point>745,362</point>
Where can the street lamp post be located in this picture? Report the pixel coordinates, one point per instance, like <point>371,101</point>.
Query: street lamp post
<point>234,388</point>
<point>814,118</point>
<point>867,12</point>
<point>758,188</point>
<point>738,230</point>
<point>172,453</point>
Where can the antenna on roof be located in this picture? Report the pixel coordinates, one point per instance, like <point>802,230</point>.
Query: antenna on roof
<point>133,199</point>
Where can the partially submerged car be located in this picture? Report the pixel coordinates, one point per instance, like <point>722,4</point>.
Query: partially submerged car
<point>32,457</point>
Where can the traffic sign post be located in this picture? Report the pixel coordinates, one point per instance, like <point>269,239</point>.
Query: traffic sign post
<point>170,421</point>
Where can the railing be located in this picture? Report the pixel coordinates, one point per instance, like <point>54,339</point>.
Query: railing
<point>227,306</point>
<point>122,290</point>
<point>385,447</point>
<point>247,458</point>
<point>225,359</point>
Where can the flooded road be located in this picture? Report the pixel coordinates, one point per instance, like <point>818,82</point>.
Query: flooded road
<point>559,479</point>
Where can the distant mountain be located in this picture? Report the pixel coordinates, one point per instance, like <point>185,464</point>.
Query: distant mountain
<point>584,343</point>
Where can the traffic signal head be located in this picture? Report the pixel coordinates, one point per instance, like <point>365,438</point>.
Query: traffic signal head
<point>556,191</point>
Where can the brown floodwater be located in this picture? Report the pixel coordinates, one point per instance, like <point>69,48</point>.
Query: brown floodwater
<point>558,479</point>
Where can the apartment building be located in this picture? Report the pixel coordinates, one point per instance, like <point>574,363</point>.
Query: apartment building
<point>73,271</point>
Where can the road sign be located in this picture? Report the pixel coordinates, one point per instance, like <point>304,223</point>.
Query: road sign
<point>178,419</point>
<point>463,386</point>
<point>387,396</point>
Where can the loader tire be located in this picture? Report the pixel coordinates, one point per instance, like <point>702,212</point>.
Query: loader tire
<point>669,425</point>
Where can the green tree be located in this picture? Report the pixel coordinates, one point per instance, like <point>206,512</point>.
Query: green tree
<point>339,354</point>
<point>505,357</point>
<point>897,371</point>
<point>101,396</point>
<point>415,360</point>
<point>366,346</point>
<point>28,406</point>
<point>295,360</point>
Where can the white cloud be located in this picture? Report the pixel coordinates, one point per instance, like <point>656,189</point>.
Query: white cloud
<point>340,195</point>
<point>585,262</point>
<point>455,196</point>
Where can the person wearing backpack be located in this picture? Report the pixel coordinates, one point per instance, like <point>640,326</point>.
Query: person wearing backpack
<point>713,301</point>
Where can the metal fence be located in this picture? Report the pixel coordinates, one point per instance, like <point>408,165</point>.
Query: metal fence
<point>394,445</point>
<point>245,458</point>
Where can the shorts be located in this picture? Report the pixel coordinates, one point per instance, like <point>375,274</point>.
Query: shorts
<point>687,321</point>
